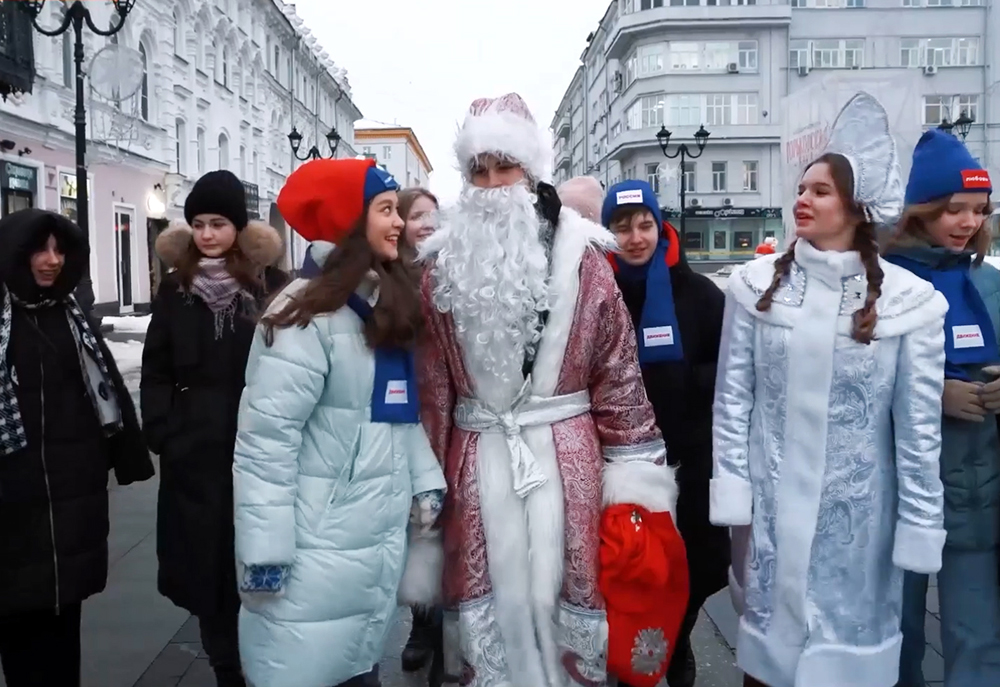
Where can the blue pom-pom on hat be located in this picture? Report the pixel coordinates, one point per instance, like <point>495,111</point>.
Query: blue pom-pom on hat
<point>630,192</point>
<point>942,165</point>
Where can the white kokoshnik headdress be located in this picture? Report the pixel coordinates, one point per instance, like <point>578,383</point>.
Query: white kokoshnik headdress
<point>861,134</point>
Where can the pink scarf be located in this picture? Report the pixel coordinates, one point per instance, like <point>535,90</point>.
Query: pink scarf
<point>214,285</point>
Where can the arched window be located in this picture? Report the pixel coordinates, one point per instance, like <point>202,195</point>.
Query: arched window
<point>180,49</point>
<point>243,162</point>
<point>144,89</point>
<point>180,147</point>
<point>201,151</point>
<point>223,152</point>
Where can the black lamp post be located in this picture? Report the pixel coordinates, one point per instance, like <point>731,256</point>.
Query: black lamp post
<point>963,124</point>
<point>701,138</point>
<point>332,140</point>
<point>77,15</point>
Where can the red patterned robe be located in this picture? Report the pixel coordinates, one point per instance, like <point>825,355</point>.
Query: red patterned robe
<point>522,513</point>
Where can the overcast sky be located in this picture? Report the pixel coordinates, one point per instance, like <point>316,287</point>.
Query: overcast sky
<point>420,64</point>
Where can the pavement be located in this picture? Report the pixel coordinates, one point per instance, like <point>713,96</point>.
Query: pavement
<point>133,637</point>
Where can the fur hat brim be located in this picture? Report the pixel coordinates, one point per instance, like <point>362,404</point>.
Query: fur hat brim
<point>259,241</point>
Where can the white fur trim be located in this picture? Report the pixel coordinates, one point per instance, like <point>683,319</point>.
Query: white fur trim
<point>918,549</point>
<point>421,583</point>
<point>730,501</point>
<point>508,134</point>
<point>525,538</point>
<point>641,483</point>
<point>736,592</point>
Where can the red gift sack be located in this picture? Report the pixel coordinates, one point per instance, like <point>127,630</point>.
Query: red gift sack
<point>644,580</point>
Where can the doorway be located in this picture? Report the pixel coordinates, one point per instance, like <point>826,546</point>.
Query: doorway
<point>124,220</point>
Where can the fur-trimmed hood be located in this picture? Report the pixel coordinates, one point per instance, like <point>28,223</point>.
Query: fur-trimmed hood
<point>259,241</point>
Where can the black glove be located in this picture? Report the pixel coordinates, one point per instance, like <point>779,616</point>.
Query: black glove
<point>548,205</point>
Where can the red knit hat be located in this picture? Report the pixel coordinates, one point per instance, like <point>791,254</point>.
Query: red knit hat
<point>644,580</point>
<point>323,199</point>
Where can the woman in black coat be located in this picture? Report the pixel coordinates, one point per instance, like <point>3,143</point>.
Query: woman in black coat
<point>66,418</point>
<point>677,315</point>
<point>204,317</point>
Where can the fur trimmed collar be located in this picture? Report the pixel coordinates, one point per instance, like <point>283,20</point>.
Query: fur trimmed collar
<point>258,240</point>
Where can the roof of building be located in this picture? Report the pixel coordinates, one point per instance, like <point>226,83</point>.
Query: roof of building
<point>369,131</point>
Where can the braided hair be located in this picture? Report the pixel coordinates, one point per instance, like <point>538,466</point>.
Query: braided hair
<point>865,243</point>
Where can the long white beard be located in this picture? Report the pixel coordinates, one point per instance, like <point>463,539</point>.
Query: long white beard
<point>491,273</point>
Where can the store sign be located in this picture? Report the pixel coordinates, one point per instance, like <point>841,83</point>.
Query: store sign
<point>727,213</point>
<point>18,177</point>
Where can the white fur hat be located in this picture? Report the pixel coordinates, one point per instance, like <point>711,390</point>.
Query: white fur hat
<point>504,126</point>
<point>583,194</point>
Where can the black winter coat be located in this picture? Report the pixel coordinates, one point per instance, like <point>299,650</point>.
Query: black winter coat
<point>54,492</point>
<point>682,394</point>
<point>190,394</point>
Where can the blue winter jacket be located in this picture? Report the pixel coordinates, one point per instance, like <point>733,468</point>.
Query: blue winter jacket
<point>970,451</point>
<point>321,488</point>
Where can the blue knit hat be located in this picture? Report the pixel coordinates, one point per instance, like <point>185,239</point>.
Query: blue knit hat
<point>942,165</point>
<point>630,192</point>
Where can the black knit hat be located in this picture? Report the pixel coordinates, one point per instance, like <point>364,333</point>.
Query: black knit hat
<point>218,193</point>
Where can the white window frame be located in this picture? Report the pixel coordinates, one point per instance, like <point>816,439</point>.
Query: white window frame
<point>950,107</point>
<point>720,172</point>
<point>689,177</point>
<point>751,176</point>
<point>133,259</point>
<point>653,176</point>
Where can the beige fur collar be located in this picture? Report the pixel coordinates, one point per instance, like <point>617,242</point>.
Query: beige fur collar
<point>259,241</point>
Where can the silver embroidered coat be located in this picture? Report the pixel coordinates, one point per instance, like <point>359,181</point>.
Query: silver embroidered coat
<point>829,450</point>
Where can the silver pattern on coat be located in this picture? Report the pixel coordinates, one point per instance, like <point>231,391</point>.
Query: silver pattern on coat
<point>482,646</point>
<point>583,645</point>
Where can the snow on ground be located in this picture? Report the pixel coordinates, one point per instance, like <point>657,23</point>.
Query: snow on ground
<point>128,355</point>
<point>131,324</point>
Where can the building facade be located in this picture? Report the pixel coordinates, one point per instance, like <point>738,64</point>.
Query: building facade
<point>397,149</point>
<point>727,65</point>
<point>222,84</point>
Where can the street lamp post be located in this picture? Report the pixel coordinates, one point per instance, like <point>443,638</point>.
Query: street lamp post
<point>963,124</point>
<point>77,15</point>
<point>701,138</point>
<point>332,140</point>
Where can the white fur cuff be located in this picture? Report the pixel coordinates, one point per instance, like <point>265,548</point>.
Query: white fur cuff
<point>421,583</point>
<point>643,484</point>
<point>918,549</point>
<point>735,592</point>
<point>730,501</point>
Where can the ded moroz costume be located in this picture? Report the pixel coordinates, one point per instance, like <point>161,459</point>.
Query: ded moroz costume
<point>534,402</point>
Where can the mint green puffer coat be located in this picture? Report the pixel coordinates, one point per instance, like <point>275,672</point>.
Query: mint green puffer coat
<point>320,487</point>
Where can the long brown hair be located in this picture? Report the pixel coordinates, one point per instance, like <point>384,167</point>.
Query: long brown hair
<point>242,268</point>
<point>396,317</point>
<point>409,196</point>
<point>865,243</point>
<point>912,227</point>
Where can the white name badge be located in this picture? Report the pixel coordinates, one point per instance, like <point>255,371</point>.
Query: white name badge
<point>396,393</point>
<point>967,336</point>
<point>629,197</point>
<point>658,336</point>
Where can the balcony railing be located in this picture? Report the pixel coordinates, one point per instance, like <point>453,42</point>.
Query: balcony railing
<point>17,58</point>
<point>253,199</point>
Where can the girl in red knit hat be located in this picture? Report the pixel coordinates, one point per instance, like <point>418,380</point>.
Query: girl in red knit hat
<point>332,466</point>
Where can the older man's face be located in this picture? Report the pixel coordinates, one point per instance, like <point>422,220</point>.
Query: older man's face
<point>490,171</point>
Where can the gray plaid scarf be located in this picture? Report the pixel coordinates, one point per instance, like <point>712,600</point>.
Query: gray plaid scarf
<point>93,367</point>
<point>219,289</point>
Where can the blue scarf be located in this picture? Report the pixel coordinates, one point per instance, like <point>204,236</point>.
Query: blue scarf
<point>310,268</point>
<point>969,335</point>
<point>394,396</point>
<point>658,337</point>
